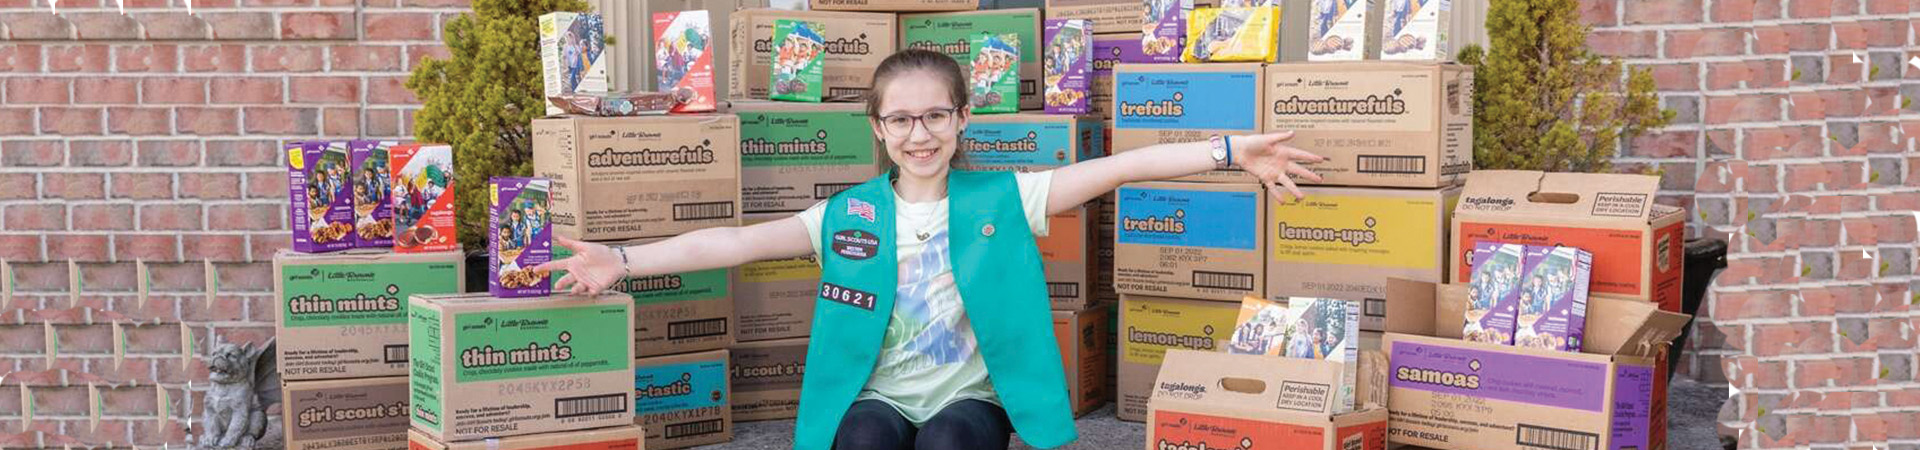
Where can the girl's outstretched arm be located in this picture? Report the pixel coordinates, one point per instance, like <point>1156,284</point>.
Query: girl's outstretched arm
<point>1265,156</point>
<point>593,267</point>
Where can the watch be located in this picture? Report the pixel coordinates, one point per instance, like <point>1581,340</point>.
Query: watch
<point>1222,152</point>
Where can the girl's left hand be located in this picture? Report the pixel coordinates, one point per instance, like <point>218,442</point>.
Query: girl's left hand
<point>1267,157</point>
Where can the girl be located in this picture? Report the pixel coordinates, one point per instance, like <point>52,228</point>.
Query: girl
<point>931,328</point>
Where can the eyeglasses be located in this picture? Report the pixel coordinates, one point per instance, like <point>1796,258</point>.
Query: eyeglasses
<point>935,121</point>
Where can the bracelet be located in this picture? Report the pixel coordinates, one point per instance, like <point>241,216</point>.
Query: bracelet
<point>1228,140</point>
<point>626,269</point>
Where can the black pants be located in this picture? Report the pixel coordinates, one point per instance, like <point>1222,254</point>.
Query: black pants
<point>966,424</point>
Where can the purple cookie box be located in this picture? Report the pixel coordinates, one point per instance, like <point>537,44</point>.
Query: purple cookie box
<point>1502,308</point>
<point>1075,71</point>
<point>312,162</point>
<point>373,155</point>
<point>1171,24</point>
<point>529,244</point>
<point>1564,316</point>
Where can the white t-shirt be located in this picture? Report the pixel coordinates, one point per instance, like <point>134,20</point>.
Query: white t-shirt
<point>929,358</point>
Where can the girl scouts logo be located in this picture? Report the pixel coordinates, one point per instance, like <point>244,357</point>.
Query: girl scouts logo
<point>860,209</point>
<point>855,244</point>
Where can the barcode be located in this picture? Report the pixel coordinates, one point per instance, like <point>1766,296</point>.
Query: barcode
<point>694,428</point>
<point>697,328</point>
<point>587,406</point>
<point>1374,307</point>
<point>823,190</point>
<point>1552,438</point>
<point>1392,164</point>
<point>396,353</point>
<point>702,211</point>
<point>1223,280</point>
<point>836,94</point>
<point>1067,290</point>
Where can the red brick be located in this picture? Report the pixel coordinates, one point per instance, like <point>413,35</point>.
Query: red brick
<point>325,89</point>
<point>390,91</point>
<point>399,27</point>
<point>142,185</point>
<point>21,247</point>
<point>19,186</point>
<point>1675,77</point>
<point>32,153</point>
<point>84,339</point>
<point>1789,339</point>
<point>214,58</point>
<point>266,185</point>
<point>78,58</point>
<point>436,3</point>
<point>1745,10</point>
<point>254,90</point>
<point>27,338</point>
<point>253,216</point>
<point>91,247</point>
<point>241,25</point>
<point>59,400</point>
<point>1783,142</point>
<point>1897,229</point>
<point>1746,74</point>
<point>150,247</point>
<point>244,334</point>
<point>207,121</point>
<point>294,121</point>
<point>27,217</point>
<point>277,2</point>
<point>214,247</point>
<point>20,58</point>
<point>157,90</point>
<point>289,58</point>
<point>37,26</point>
<point>74,186</point>
<point>1642,12</point>
<point>104,25</point>
<point>1707,42</point>
<point>1599,14</point>
<point>145,58</point>
<point>1804,37</point>
<point>316,25</point>
<point>1842,70</point>
<point>1827,301</point>
<point>174,26</point>
<point>340,122</point>
<point>243,154</point>
<point>369,58</point>
<point>1843,102</point>
<point>95,90</point>
<point>39,90</point>
<point>170,153</point>
<point>1723,109</point>
<point>210,186</point>
<point>71,121</point>
<point>1844,372</point>
<point>113,153</point>
<point>1752,305</point>
<point>170,217</point>
<point>418,53</point>
<point>16,121</point>
<point>1853,266</point>
<point>1665,144</point>
<point>137,121</point>
<point>383,123</point>
<point>1806,9</point>
<point>1624,44</point>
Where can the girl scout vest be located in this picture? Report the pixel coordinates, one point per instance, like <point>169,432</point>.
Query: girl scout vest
<point>996,267</point>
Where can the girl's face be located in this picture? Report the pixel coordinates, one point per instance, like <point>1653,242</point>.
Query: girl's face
<point>921,151</point>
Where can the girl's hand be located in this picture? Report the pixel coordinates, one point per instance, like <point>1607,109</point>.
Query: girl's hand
<point>591,269</point>
<point>1268,158</point>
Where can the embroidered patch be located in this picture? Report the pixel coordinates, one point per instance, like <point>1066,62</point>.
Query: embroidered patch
<point>851,297</point>
<point>860,209</point>
<point>855,244</point>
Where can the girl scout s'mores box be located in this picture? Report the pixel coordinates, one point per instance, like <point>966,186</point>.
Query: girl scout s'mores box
<point>1416,30</point>
<point>1068,74</point>
<point>1494,292</point>
<point>350,414</point>
<point>572,54</point>
<point>766,378</point>
<point>798,61</point>
<point>1553,302</point>
<point>1343,30</point>
<point>490,367</point>
<point>322,210</point>
<point>423,182</point>
<point>372,192</point>
<point>683,58</point>
<point>996,73</point>
<point>519,237</point>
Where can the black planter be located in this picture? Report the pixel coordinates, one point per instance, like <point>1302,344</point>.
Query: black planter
<point>1705,258</point>
<point>477,271</point>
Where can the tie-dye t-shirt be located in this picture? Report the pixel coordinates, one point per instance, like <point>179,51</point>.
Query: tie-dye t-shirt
<point>929,358</point>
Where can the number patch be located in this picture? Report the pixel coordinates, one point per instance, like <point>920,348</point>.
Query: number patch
<point>851,297</point>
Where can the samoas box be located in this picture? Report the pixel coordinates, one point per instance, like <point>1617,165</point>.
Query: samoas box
<point>319,175</point>
<point>1067,79</point>
<point>372,194</point>
<point>519,237</point>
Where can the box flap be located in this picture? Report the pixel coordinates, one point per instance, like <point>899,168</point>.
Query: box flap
<point>1410,307</point>
<point>1619,326</point>
<point>1560,195</point>
<point>1449,310</point>
<point>1255,382</point>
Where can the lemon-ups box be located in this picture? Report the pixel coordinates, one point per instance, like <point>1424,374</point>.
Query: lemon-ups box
<point>1209,400</point>
<point>892,5</point>
<point>1083,350</point>
<point>632,177</point>
<point>352,414</point>
<point>766,378</point>
<point>793,155</point>
<point>1190,240</point>
<point>950,33</point>
<point>1345,242</point>
<point>683,400</point>
<point>774,299</point>
<point>855,44</point>
<point>1149,326</point>
<point>1029,142</point>
<point>1173,103</point>
<point>487,367</point>
<point>1379,124</point>
<point>676,312</point>
<point>1447,393</point>
<point>344,315</point>
<point>625,437</point>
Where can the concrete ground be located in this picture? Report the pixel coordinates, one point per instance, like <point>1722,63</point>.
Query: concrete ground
<point>1692,408</point>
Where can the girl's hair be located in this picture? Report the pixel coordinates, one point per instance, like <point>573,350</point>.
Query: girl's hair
<point>911,60</point>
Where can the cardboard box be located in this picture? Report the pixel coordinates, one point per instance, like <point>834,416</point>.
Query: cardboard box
<point>1110,50</point>
<point>799,61</point>
<point>519,237</point>
<point>1637,245</point>
<point>344,315</point>
<point>766,379</point>
<point>572,54</point>
<point>793,155</point>
<point>372,193</point>
<point>855,45</point>
<point>675,313</point>
<point>1343,30</point>
<point>1108,16</point>
<point>1345,242</point>
<point>1222,401</point>
<point>683,400</point>
<point>1380,124</point>
<point>1304,328</point>
<point>1066,253</point>
<point>319,176</point>
<point>1447,393</point>
<point>1068,72</point>
<point>1174,103</point>
<point>683,58</point>
<point>891,5</point>
<point>1083,350</point>
<point>950,33</point>
<point>423,203</point>
<point>1416,30</point>
<point>774,299</point>
<point>1149,326</point>
<point>1028,142</point>
<point>614,438</point>
<point>353,414</point>
<point>487,367</point>
<point>1190,240</point>
<point>620,178</point>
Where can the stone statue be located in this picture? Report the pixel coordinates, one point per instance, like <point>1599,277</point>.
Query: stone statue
<point>246,384</point>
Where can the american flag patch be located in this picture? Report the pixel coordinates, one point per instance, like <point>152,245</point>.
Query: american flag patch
<point>864,210</point>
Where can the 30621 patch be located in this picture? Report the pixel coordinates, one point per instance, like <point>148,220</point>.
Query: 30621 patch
<point>851,297</point>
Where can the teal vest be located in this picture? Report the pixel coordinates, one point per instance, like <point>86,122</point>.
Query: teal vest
<point>996,267</point>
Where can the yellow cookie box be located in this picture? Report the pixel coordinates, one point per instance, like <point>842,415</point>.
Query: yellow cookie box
<point>1242,34</point>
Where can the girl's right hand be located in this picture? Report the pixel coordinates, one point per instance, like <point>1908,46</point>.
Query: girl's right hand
<point>592,268</point>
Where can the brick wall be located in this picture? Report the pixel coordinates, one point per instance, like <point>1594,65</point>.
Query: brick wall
<point>153,136</point>
<point>1804,159</point>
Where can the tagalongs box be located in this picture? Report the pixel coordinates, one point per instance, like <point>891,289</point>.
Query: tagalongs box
<point>1217,400</point>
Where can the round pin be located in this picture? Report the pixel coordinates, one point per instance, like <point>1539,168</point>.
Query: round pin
<point>987,230</point>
